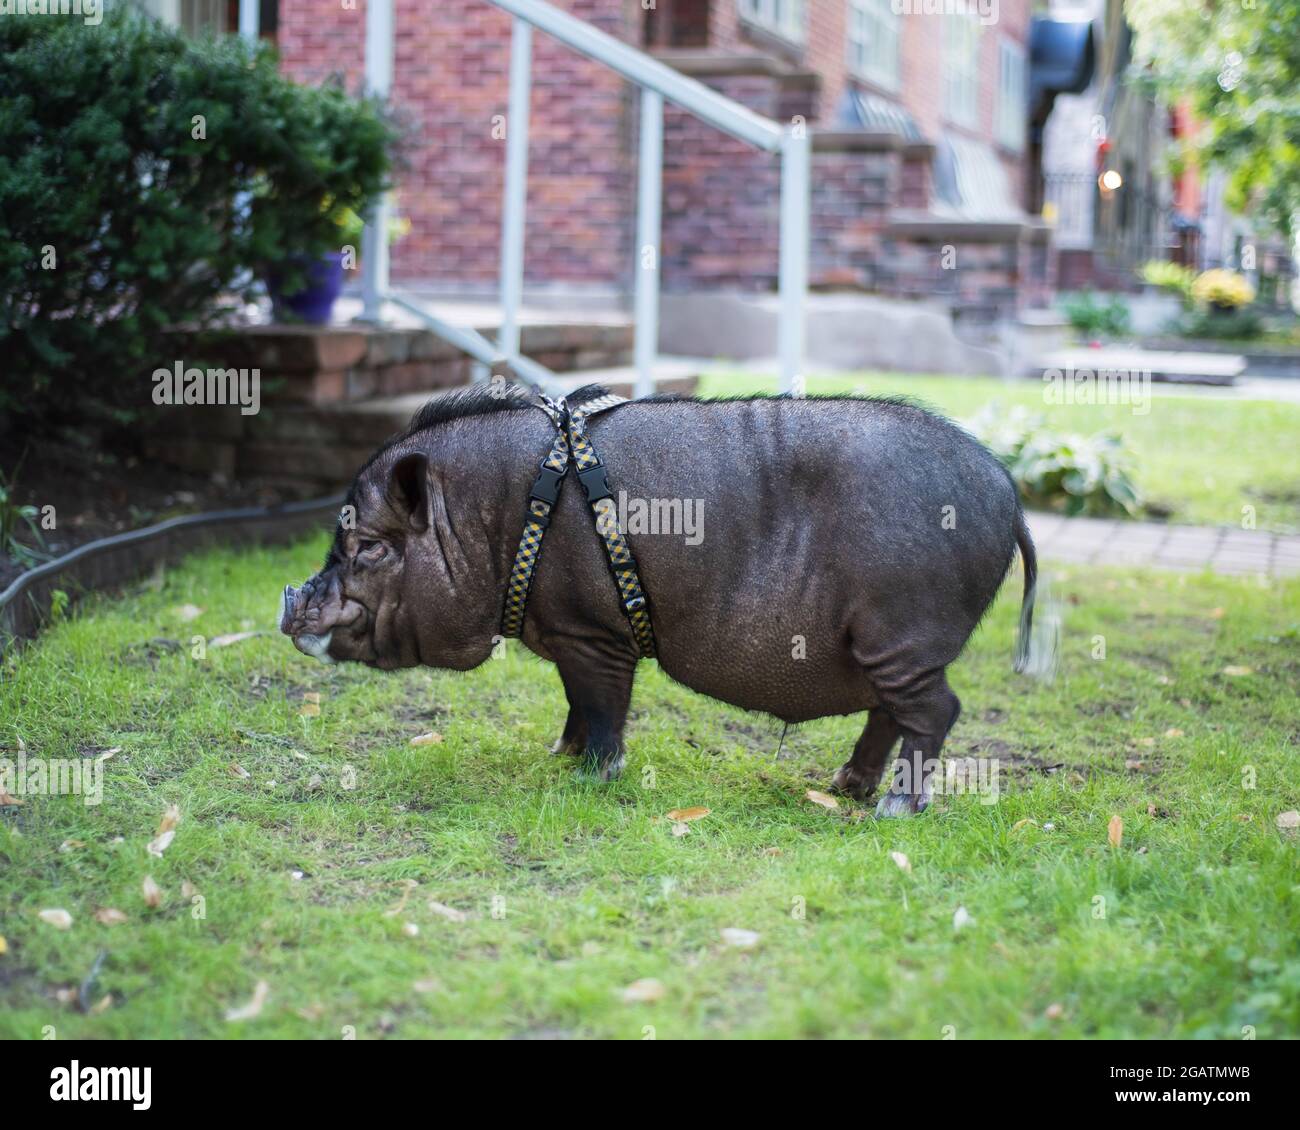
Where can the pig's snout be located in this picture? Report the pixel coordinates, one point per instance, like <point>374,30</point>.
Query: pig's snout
<point>297,615</point>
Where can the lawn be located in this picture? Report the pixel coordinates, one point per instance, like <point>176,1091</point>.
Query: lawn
<point>311,844</point>
<point>1200,457</point>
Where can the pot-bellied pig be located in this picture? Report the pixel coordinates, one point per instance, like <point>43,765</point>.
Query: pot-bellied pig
<point>838,555</point>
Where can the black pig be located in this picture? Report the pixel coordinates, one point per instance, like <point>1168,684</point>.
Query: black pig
<point>846,551</point>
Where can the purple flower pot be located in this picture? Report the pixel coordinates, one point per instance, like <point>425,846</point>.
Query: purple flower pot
<point>314,303</point>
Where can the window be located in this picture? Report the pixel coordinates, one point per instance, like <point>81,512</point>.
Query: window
<point>873,41</point>
<point>961,49</point>
<point>1009,125</point>
<point>787,18</point>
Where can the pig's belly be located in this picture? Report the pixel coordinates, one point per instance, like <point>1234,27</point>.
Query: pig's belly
<point>775,675</point>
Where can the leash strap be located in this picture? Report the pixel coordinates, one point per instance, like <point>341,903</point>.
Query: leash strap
<point>595,484</point>
<point>572,445</point>
<point>537,517</point>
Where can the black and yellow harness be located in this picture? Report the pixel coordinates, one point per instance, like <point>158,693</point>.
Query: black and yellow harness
<point>572,447</point>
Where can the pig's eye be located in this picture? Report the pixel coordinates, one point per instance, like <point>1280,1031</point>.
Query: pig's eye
<point>370,551</point>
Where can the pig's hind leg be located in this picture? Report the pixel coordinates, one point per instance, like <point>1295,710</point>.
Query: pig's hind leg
<point>925,712</point>
<point>859,776</point>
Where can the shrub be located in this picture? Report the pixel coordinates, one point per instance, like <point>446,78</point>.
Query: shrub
<point>147,187</point>
<point>1222,288</point>
<point>1092,318</point>
<point>1229,325</point>
<point>1079,474</point>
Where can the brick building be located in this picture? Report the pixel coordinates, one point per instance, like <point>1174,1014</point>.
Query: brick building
<point>919,124</point>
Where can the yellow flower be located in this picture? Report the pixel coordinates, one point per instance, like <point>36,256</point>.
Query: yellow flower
<point>1222,288</point>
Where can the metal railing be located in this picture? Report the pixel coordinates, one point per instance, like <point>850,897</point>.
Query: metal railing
<point>658,83</point>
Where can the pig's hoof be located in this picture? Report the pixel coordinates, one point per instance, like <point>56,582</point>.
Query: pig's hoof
<point>608,767</point>
<point>901,804</point>
<point>571,749</point>
<point>851,783</point>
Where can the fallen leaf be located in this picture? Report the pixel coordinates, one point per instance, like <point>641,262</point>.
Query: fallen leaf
<point>103,1006</point>
<point>1289,821</point>
<point>645,991</point>
<point>450,913</point>
<point>152,892</point>
<point>1132,764</point>
<point>160,844</point>
<point>170,819</point>
<point>109,916</point>
<point>1164,680</point>
<point>187,612</point>
<point>314,783</point>
<point>1115,831</point>
<point>1148,742</point>
<point>901,861</point>
<point>962,918</point>
<point>58,918</point>
<point>1236,671</point>
<point>4,946</point>
<point>1054,1011</point>
<point>1245,817</point>
<point>408,885</point>
<point>309,710</point>
<point>410,929</point>
<point>1216,613</point>
<point>237,770</point>
<point>680,829</point>
<point>233,637</point>
<point>71,845</point>
<point>686,815</point>
<point>311,696</point>
<point>1173,732</point>
<point>1023,824</point>
<point>772,851</point>
<point>8,798</point>
<point>428,985</point>
<point>109,754</point>
<point>188,889</point>
<point>824,799</point>
<point>740,939</point>
<point>254,1007</point>
<point>431,738</point>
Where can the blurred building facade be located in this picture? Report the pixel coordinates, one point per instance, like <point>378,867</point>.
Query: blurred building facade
<point>919,111</point>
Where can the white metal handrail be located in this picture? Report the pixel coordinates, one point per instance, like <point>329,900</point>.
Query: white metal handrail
<point>658,83</point>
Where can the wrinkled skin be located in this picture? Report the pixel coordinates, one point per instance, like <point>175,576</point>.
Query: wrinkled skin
<point>827,581</point>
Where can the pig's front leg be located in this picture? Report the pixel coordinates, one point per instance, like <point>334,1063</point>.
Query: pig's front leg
<point>599,689</point>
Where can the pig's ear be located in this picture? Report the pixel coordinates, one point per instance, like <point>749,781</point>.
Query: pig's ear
<point>408,490</point>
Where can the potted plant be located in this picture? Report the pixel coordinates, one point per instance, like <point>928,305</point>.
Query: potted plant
<point>1222,291</point>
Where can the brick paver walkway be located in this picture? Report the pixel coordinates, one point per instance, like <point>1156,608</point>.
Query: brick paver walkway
<point>1095,541</point>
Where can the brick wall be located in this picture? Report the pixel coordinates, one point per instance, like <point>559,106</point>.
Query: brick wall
<point>720,195</point>
<point>451,68</point>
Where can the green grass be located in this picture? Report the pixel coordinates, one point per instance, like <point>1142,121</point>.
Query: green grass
<point>574,890</point>
<point>1203,458</point>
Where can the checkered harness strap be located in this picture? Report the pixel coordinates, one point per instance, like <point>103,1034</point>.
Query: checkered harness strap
<point>573,446</point>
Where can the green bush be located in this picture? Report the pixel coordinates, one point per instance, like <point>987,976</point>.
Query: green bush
<point>149,178</point>
<point>1227,325</point>
<point>1092,319</point>
<point>1079,474</point>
